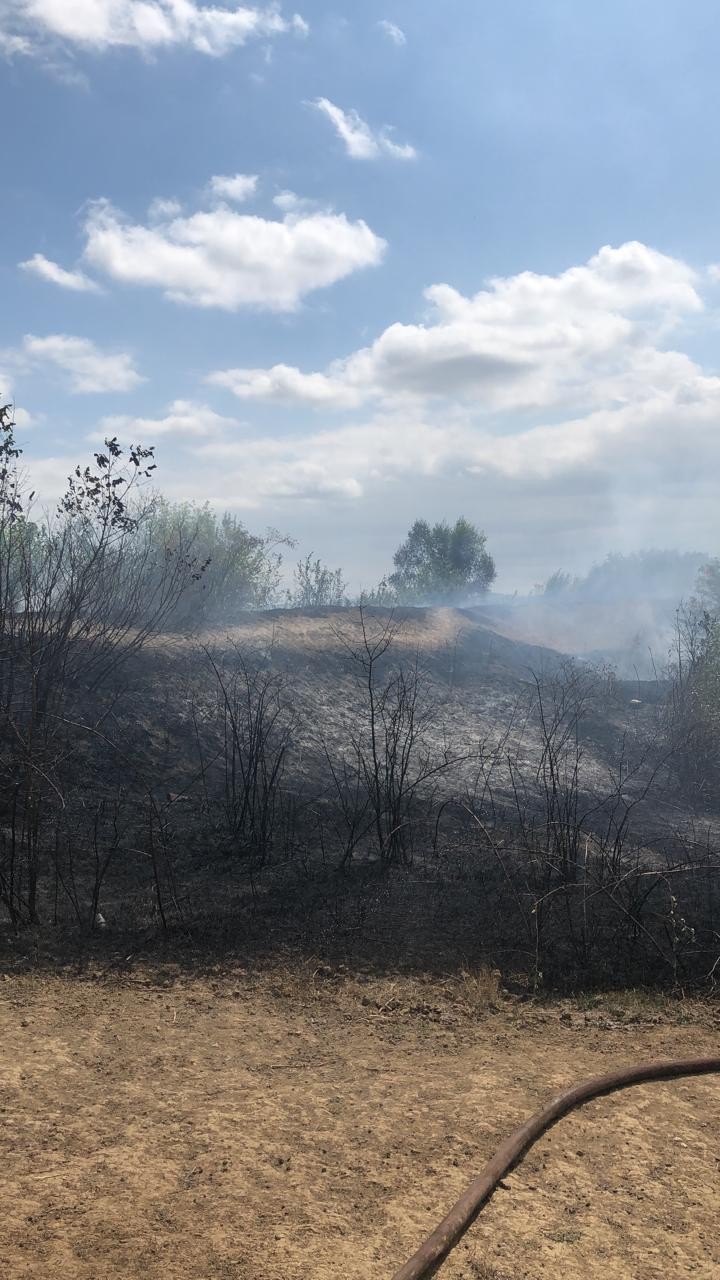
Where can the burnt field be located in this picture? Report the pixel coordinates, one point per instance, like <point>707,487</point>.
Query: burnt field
<point>410,790</point>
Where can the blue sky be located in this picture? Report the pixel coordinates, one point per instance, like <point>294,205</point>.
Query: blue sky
<point>351,264</point>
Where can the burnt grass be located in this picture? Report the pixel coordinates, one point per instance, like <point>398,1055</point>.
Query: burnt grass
<point>218,799</point>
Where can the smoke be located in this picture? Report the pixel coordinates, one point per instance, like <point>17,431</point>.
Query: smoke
<point>622,611</point>
<point>643,575</point>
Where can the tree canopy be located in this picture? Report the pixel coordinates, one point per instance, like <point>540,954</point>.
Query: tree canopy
<point>442,563</point>
<point>241,570</point>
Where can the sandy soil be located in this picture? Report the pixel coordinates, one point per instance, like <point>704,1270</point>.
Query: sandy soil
<point>304,1124</point>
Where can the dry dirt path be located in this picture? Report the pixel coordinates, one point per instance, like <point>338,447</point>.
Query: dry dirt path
<point>301,1126</point>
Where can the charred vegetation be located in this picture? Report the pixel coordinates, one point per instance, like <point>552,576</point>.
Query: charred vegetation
<point>397,786</point>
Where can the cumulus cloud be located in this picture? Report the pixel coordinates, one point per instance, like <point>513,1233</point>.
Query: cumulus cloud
<point>627,454</point>
<point>558,396</point>
<point>89,369</point>
<point>289,202</point>
<point>285,385</point>
<point>392,31</point>
<point>222,258</point>
<point>147,25</point>
<point>240,187</point>
<point>361,142</point>
<point>271,469</point>
<point>526,342</point>
<point>183,419</point>
<point>44,267</point>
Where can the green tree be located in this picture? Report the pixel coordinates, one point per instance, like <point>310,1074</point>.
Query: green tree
<point>241,570</point>
<point>442,563</point>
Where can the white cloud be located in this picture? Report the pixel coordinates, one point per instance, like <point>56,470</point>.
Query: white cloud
<point>553,396</point>
<point>360,141</point>
<point>76,281</point>
<point>161,209</point>
<point>289,202</point>
<point>148,25</point>
<point>525,343</point>
<point>631,450</point>
<point>22,417</point>
<point>558,397</point>
<point>286,385</point>
<point>184,418</point>
<point>24,420</point>
<point>393,32</point>
<point>240,187</point>
<point>89,368</point>
<point>222,258</point>
<point>263,470</point>
<point>10,45</point>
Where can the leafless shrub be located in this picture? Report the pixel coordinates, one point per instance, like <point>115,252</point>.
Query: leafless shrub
<point>255,726</point>
<point>692,712</point>
<point>592,902</point>
<point>393,761</point>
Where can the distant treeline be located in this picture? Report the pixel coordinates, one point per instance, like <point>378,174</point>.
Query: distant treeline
<point>644,575</point>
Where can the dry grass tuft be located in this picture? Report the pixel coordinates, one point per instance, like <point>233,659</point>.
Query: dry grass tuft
<point>480,989</point>
<point>485,1271</point>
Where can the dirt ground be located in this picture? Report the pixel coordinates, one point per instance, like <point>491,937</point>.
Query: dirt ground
<point>309,1125</point>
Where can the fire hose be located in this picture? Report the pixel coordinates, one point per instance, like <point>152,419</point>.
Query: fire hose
<point>431,1255</point>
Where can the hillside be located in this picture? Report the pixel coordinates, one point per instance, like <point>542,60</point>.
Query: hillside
<point>409,788</point>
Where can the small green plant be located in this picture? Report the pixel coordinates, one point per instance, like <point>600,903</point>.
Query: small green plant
<point>316,586</point>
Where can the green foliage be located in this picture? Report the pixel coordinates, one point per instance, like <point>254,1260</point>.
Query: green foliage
<point>316,586</point>
<point>241,570</point>
<point>557,584</point>
<point>99,498</point>
<point>383,596</point>
<point>442,564</point>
